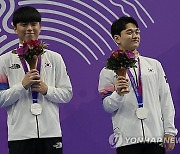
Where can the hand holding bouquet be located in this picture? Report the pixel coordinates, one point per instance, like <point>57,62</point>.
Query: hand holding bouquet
<point>119,62</point>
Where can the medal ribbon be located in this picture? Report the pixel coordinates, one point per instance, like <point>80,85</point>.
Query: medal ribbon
<point>34,93</point>
<point>137,89</point>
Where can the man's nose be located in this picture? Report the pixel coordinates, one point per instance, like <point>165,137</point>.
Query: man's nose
<point>29,27</point>
<point>135,35</point>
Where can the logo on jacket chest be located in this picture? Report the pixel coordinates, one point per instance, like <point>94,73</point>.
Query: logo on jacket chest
<point>150,70</point>
<point>48,64</point>
<point>15,66</point>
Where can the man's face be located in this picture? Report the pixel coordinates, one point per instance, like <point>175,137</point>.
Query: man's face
<point>129,39</point>
<point>27,31</point>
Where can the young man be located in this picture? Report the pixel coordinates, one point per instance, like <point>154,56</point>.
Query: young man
<point>33,129</point>
<point>143,122</point>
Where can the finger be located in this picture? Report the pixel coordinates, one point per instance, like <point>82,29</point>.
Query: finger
<point>35,86</point>
<point>170,147</point>
<point>35,77</point>
<point>36,81</point>
<point>120,88</point>
<point>121,78</point>
<point>33,74</point>
<point>122,84</point>
<point>35,89</point>
<point>29,74</point>
<point>33,70</point>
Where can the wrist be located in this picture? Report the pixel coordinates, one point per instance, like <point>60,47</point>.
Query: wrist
<point>119,93</point>
<point>45,91</point>
<point>25,87</point>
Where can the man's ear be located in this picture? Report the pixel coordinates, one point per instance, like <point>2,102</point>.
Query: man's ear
<point>40,26</point>
<point>117,39</point>
<point>15,29</point>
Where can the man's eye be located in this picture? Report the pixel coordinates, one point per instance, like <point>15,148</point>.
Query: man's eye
<point>23,24</point>
<point>129,33</point>
<point>34,24</point>
<point>137,32</point>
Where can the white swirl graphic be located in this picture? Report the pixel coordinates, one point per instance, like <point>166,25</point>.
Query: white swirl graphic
<point>74,28</point>
<point>96,41</point>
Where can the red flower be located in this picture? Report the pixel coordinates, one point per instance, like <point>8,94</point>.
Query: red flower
<point>116,53</point>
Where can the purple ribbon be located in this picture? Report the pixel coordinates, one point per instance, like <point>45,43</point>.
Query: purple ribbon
<point>34,93</point>
<point>137,89</point>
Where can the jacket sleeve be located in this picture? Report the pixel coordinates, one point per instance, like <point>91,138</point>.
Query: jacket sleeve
<point>8,95</point>
<point>166,101</point>
<point>111,100</point>
<point>62,91</point>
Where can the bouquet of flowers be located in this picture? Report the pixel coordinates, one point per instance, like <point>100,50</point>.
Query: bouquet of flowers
<point>121,59</point>
<point>119,62</point>
<point>30,51</point>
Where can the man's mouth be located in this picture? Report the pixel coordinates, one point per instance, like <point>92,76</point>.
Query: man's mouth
<point>136,41</point>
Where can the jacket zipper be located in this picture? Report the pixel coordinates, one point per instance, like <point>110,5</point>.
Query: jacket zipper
<point>144,139</point>
<point>37,124</point>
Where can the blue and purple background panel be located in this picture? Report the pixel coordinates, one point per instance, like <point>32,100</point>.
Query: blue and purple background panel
<point>80,32</point>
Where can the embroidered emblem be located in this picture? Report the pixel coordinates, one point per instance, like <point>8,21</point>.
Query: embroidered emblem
<point>15,66</point>
<point>48,65</point>
<point>58,145</point>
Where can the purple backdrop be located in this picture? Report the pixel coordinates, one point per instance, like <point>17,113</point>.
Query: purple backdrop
<point>80,32</point>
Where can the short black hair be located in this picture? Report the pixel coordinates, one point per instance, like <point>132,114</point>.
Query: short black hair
<point>120,25</point>
<point>26,14</point>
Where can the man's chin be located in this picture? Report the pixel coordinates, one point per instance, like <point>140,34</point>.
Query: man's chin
<point>134,47</point>
<point>30,38</point>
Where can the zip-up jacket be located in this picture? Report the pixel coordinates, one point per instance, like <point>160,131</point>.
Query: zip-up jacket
<point>156,99</point>
<point>22,124</point>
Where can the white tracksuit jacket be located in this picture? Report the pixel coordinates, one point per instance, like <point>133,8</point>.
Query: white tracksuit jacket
<point>21,123</point>
<point>156,98</point>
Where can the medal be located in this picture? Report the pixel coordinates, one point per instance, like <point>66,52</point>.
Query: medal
<point>36,109</point>
<point>142,113</point>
